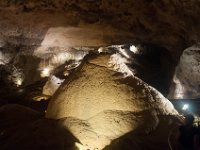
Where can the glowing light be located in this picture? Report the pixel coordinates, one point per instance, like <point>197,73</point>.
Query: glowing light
<point>66,73</point>
<point>45,72</point>
<point>100,50</point>
<point>185,106</point>
<point>19,82</point>
<point>134,49</point>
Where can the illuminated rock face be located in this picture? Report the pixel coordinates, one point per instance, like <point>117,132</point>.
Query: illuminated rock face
<point>96,88</point>
<point>51,85</point>
<point>186,78</point>
<point>99,130</point>
<point>99,105</point>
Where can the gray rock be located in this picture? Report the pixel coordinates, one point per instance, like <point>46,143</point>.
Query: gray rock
<point>186,78</point>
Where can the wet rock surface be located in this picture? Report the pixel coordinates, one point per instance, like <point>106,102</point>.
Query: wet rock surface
<point>96,84</point>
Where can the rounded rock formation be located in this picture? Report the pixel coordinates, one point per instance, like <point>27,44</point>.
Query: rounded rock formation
<point>95,88</point>
<point>99,105</point>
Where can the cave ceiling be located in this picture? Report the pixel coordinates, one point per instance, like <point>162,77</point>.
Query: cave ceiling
<point>173,24</point>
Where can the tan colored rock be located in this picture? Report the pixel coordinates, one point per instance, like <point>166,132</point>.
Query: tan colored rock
<point>93,91</point>
<point>100,130</point>
<point>82,36</point>
<point>156,140</point>
<point>186,78</point>
<point>52,85</point>
<point>99,105</point>
<point>96,88</point>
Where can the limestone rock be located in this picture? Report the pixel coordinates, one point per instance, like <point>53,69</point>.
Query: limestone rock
<point>28,65</point>
<point>101,129</point>
<point>52,85</point>
<point>99,105</point>
<point>155,140</point>
<point>186,77</point>
<point>96,88</point>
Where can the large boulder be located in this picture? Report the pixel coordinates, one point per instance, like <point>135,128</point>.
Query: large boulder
<point>99,105</point>
<point>96,88</point>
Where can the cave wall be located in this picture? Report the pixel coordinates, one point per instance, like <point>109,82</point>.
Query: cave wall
<point>186,78</point>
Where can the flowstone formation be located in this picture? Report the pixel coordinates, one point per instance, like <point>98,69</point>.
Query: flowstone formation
<point>98,105</point>
<point>186,78</point>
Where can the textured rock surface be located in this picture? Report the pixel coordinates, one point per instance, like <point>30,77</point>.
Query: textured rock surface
<point>52,85</point>
<point>23,128</point>
<point>164,23</point>
<point>186,78</point>
<point>96,88</point>
<point>99,105</point>
<point>156,140</point>
<point>151,63</point>
<point>51,25</point>
<point>99,130</point>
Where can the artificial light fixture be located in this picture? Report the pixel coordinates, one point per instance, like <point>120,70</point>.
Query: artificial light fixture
<point>45,72</point>
<point>19,82</point>
<point>185,107</point>
<point>134,49</point>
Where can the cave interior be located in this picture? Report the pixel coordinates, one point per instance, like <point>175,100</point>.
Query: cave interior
<point>97,74</point>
